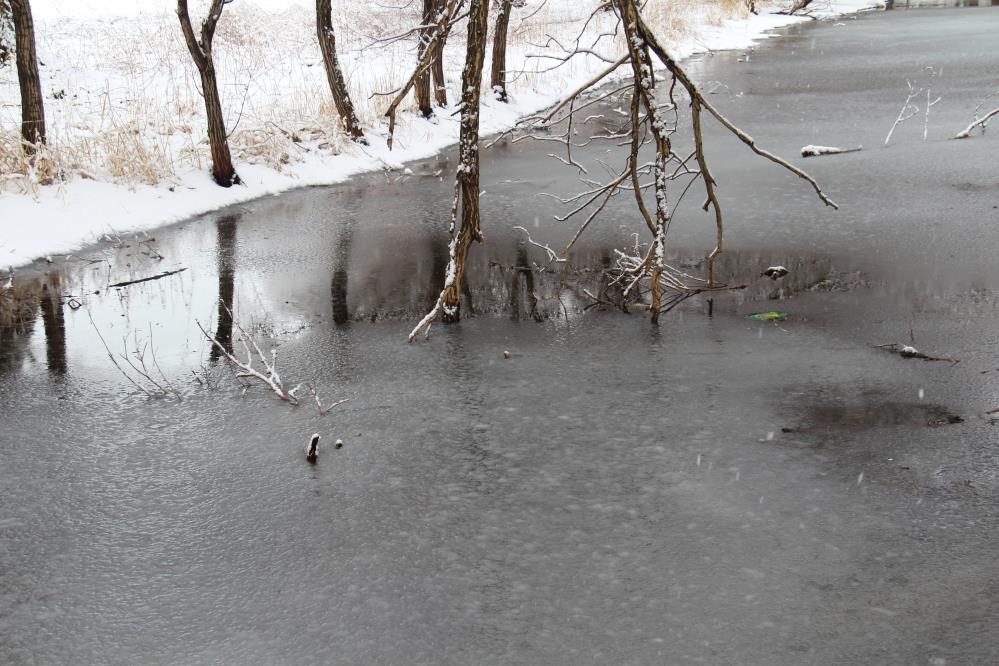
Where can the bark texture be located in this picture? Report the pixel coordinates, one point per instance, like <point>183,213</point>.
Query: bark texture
<point>338,85</point>
<point>437,68</point>
<point>32,108</point>
<point>223,171</point>
<point>644,97</point>
<point>467,182</point>
<point>422,86</point>
<point>498,79</point>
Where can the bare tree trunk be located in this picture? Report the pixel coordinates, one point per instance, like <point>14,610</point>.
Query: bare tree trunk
<point>422,86</point>
<point>438,33</point>
<point>498,79</point>
<point>440,86</point>
<point>644,95</point>
<point>797,6</point>
<point>466,186</point>
<point>201,51</point>
<point>32,109</point>
<point>338,86</point>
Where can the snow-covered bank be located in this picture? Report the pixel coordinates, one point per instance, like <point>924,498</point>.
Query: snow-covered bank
<point>283,133</point>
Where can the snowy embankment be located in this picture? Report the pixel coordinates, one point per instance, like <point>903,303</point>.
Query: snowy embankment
<point>126,123</point>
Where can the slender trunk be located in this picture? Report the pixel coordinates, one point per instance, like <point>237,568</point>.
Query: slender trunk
<point>645,96</point>
<point>437,69</point>
<point>422,87</point>
<point>32,109</point>
<point>498,79</point>
<point>467,183</point>
<point>338,86</point>
<point>222,170</point>
<point>201,51</point>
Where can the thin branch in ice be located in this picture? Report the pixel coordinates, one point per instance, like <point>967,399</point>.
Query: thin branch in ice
<point>907,111</point>
<point>926,119</point>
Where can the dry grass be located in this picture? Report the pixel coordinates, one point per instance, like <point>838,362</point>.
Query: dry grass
<point>123,101</point>
<point>672,20</point>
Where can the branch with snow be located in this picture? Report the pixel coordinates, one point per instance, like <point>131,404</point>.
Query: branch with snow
<point>815,151</point>
<point>979,122</point>
<point>907,111</point>
<point>269,375</point>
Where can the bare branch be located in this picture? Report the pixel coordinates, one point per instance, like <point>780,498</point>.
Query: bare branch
<point>979,122</point>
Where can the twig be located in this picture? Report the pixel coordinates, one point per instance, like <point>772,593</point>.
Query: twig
<point>908,107</point>
<point>246,369</point>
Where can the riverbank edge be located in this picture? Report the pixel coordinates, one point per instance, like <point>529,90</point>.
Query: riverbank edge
<point>65,218</point>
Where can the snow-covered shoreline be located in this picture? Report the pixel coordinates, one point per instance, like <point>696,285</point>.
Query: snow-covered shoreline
<point>62,218</point>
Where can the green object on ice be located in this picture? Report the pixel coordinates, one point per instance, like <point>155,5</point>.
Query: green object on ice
<point>767,316</point>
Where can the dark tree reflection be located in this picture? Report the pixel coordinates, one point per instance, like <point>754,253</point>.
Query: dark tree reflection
<point>226,262</point>
<point>54,321</point>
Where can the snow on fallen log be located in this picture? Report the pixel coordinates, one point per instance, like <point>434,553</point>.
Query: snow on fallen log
<point>814,151</point>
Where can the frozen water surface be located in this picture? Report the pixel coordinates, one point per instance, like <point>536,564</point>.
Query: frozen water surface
<point>714,490</point>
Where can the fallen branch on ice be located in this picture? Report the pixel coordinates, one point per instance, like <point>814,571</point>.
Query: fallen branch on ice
<point>815,151</point>
<point>905,351</point>
<point>269,375</point>
<point>979,122</point>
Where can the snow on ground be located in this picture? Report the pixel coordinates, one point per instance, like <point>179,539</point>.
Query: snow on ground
<point>126,122</point>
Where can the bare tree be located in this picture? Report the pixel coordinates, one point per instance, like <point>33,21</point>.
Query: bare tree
<point>32,109</point>
<point>652,121</point>
<point>421,88</point>
<point>338,86</point>
<point>201,51</point>
<point>466,186</point>
<point>430,54</point>
<point>497,81</point>
<point>796,7</point>
<point>437,59</point>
